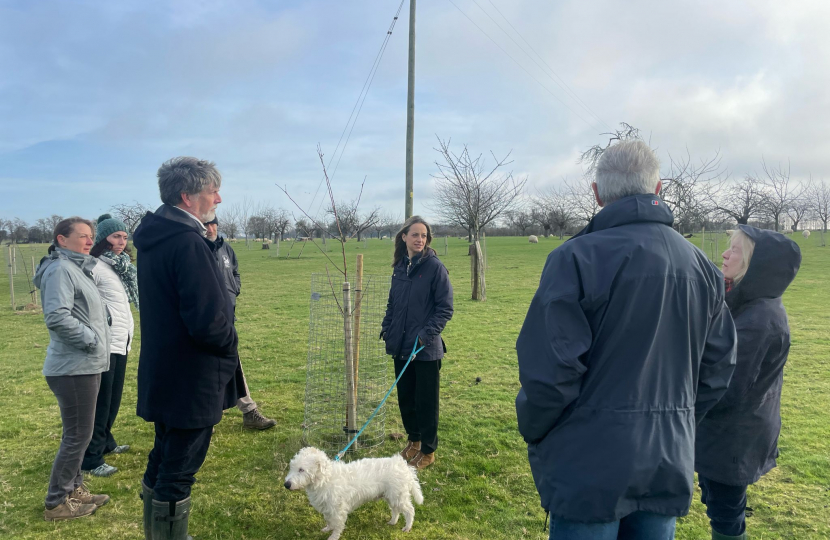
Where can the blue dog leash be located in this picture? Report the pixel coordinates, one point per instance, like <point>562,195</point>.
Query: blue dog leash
<point>411,356</point>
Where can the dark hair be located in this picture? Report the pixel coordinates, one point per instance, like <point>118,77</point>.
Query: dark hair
<point>66,227</point>
<point>186,175</point>
<point>400,244</point>
<point>104,245</point>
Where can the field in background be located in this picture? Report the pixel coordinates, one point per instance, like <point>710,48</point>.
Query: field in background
<point>480,486</point>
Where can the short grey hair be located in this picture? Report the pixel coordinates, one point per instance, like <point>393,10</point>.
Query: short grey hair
<point>186,175</point>
<point>627,168</point>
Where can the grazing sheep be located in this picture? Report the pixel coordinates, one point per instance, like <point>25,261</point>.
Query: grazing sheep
<point>806,234</point>
<point>533,239</point>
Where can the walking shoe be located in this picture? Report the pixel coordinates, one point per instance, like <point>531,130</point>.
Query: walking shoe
<point>421,461</point>
<point>411,450</point>
<point>103,470</point>
<point>83,494</point>
<point>69,509</point>
<point>120,449</point>
<point>255,420</point>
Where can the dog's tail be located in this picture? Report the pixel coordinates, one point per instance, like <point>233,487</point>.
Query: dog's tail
<point>415,487</point>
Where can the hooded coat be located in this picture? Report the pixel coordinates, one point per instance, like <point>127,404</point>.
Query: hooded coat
<point>737,442</point>
<point>188,369</point>
<point>75,314</point>
<point>626,344</point>
<point>229,267</point>
<point>419,305</point>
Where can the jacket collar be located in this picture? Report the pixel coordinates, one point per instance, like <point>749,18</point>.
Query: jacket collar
<point>174,213</point>
<point>628,210</point>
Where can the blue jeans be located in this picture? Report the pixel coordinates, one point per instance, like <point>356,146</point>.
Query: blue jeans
<point>636,526</point>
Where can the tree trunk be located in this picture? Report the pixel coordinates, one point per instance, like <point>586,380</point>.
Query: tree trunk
<point>477,271</point>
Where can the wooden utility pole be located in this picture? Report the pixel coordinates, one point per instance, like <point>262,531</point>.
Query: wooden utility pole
<point>410,113</point>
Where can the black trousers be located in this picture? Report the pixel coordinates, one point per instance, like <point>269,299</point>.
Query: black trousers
<point>176,457</point>
<point>418,400</point>
<point>106,409</point>
<point>725,506</point>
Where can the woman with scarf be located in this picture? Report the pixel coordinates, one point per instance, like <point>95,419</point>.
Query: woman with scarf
<point>115,277</point>
<point>737,440</point>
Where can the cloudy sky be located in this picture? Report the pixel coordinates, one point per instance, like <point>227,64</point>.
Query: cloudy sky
<point>95,95</point>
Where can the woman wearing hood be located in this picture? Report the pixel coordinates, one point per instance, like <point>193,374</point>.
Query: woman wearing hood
<point>116,279</point>
<point>77,355</point>
<point>419,306</point>
<point>737,441</point>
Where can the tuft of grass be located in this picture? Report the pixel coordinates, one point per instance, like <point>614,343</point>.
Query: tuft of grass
<point>480,485</point>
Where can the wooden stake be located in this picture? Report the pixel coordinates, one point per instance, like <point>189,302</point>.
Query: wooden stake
<point>11,278</point>
<point>351,405</point>
<point>445,245</point>
<point>358,301</point>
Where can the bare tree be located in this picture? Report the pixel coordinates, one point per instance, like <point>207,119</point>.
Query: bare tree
<point>229,220</point>
<point>520,220</point>
<point>590,157</point>
<point>470,195</point>
<point>130,214</point>
<point>386,223</point>
<point>740,200</point>
<point>819,194</point>
<point>777,195</point>
<point>583,201</point>
<point>800,204</point>
<point>52,222</point>
<point>554,210</point>
<point>686,189</point>
<point>351,220</point>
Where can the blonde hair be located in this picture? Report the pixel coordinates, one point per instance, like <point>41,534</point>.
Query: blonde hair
<point>747,248</point>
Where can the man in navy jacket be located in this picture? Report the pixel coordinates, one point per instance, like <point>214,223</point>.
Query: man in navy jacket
<point>188,371</point>
<point>627,344</point>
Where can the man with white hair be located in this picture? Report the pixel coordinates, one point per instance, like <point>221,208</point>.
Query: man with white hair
<point>188,371</point>
<point>626,345</point>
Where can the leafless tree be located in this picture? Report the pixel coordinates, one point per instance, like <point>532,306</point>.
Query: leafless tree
<point>686,189</point>
<point>470,195</point>
<point>520,220</point>
<point>581,195</point>
<point>740,200</point>
<point>52,222</point>
<point>590,157</point>
<point>553,210</point>
<point>819,194</point>
<point>387,223</point>
<point>778,193</point>
<point>800,206</point>
<point>130,214</point>
<point>352,221</point>
<point>229,220</point>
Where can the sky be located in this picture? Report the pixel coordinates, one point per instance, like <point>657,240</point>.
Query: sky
<point>95,95</point>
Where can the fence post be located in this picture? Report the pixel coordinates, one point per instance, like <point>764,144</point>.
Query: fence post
<point>33,280</point>
<point>445,245</point>
<point>351,404</point>
<point>14,258</point>
<point>11,278</point>
<point>358,297</point>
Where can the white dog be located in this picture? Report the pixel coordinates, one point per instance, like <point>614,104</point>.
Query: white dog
<point>335,488</point>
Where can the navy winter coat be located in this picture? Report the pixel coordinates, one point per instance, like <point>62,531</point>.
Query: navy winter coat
<point>419,305</point>
<point>627,342</point>
<point>737,442</point>
<point>188,371</point>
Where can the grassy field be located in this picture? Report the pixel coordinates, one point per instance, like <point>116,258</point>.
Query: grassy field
<point>480,486</point>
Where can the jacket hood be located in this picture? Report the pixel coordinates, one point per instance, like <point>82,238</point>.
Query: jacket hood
<point>166,222</point>
<point>84,262</point>
<point>774,264</point>
<point>628,210</point>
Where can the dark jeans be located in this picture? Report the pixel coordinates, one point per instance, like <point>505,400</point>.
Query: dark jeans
<point>76,398</point>
<point>418,401</point>
<point>725,506</point>
<point>636,526</point>
<point>175,459</point>
<point>106,409</point>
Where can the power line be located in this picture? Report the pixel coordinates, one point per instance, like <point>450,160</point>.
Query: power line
<point>569,89</point>
<point>521,66</point>
<point>358,106</point>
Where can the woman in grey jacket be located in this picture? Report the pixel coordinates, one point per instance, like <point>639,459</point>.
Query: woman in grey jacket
<point>77,354</point>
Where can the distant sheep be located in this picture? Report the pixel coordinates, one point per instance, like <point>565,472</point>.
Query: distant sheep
<point>806,234</point>
<point>533,239</point>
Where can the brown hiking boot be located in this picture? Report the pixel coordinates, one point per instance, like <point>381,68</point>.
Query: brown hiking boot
<point>255,420</point>
<point>411,450</point>
<point>69,509</point>
<point>421,461</point>
<point>82,494</point>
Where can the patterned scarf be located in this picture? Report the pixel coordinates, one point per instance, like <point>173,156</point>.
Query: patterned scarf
<point>126,271</point>
<point>729,284</point>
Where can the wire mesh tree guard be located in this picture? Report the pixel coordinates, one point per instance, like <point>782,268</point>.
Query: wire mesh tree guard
<point>347,371</point>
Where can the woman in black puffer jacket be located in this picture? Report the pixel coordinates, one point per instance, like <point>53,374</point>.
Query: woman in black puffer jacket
<point>737,441</point>
<point>419,306</point>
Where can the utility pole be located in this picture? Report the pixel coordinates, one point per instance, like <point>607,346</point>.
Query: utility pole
<point>410,112</point>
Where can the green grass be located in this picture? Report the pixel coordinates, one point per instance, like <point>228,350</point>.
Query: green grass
<point>480,486</point>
